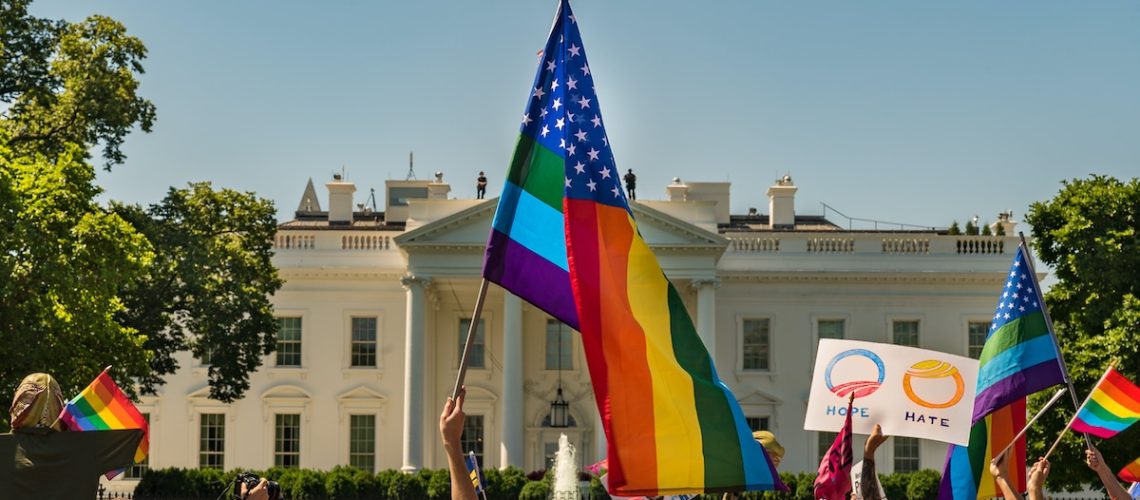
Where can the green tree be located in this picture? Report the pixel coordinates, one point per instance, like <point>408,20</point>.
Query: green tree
<point>209,286</point>
<point>986,231</point>
<point>1089,233</point>
<point>971,228</point>
<point>954,229</point>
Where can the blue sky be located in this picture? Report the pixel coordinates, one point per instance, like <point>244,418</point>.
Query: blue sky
<point>917,112</point>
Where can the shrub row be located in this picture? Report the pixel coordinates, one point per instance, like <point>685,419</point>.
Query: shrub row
<point>344,483</point>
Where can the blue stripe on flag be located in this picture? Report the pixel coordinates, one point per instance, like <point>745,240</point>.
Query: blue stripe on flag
<point>1016,359</point>
<point>541,230</point>
<point>1090,418</point>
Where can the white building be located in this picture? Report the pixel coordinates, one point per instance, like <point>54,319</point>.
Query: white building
<point>375,305</point>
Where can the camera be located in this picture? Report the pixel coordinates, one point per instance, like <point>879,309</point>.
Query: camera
<point>250,481</point>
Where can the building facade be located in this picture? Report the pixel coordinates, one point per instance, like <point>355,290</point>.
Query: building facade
<point>376,306</point>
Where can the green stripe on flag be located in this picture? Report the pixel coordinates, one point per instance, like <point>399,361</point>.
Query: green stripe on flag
<point>1104,414</point>
<point>1010,334</point>
<point>724,463</point>
<point>539,171</point>
<point>90,415</point>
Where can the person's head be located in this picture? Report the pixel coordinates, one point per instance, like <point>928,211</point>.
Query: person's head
<point>630,170</point>
<point>37,403</point>
<point>773,447</point>
<point>480,172</point>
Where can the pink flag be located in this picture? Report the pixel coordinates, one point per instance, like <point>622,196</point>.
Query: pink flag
<point>834,479</point>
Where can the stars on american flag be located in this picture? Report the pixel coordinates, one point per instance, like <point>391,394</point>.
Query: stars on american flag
<point>1018,297</point>
<point>563,115</point>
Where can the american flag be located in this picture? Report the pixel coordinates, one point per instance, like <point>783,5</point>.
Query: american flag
<point>563,115</point>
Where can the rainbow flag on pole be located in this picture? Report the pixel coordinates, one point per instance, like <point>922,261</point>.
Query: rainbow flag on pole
<point>103,407</point>
<point>1130,472</point>
<point>564,239</point>
<point>1113,406</point>
<point>1019,358</point>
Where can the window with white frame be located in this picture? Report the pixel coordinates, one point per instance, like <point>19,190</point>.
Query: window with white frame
<point>977,331</point>
<point>287,440</point>
<point>906,454</point>
<point>472,438</point>
<point>905,332</point>
<point>825,440</point>
<point>559,346</point>
<point>289,341</point>
<point>755,344</point>
<point>363,342</point>
<point>212,441</point>
<point>830,328</point>
<point>757,423</point>
<point>362,442</point>
<point>477,357</point>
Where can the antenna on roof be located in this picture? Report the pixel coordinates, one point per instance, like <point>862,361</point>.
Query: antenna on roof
<point>411,166</point>
<point>372,198</point>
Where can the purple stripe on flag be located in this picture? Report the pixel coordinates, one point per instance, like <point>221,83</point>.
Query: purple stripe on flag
<point>531,277</point>
<point>1020,384</point>
<point>1100,432</point>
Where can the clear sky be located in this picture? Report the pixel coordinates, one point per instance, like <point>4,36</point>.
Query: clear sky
<point>909,111</point>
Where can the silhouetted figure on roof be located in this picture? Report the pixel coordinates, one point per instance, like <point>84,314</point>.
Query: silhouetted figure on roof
<point>631,184</point>
<point>481,186</point>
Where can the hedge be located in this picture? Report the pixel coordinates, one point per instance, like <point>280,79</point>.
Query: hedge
<point>347,483</point>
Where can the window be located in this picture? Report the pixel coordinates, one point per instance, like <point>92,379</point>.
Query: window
<point>831,328</point>
<point>364,342</point>
<point>287,440</point>
<point>559,346</point>
<point>207,356</point>
<point>362,442</point>
<point>757,423</point>
<point>755,344</point>
<point>212,441</point>
<point>472,438</point>
<point>826,439</point>
<point>977,330</point>
<point>906,454</point>
<point>476,358</point>
<point>136,471</point>
<point>905,333</point>
<point>288,341</point>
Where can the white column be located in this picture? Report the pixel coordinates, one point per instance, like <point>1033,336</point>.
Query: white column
<point>706,313</point>
<point>414,373</point>
<point>511,448</point>
<point>599,438</point>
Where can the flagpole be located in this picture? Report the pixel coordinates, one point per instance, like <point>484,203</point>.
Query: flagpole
<point>1052,333</point>
<point>470,338</point>
<point>1060,392</point>
<point>1078,412</point>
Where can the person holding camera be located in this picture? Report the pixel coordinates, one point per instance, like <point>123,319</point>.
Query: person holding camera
<point>258,492</point>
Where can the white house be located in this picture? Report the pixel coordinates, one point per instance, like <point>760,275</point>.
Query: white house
<point>376,304</point>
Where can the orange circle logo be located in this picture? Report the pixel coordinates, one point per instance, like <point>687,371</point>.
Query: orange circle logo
<point>932,368</point>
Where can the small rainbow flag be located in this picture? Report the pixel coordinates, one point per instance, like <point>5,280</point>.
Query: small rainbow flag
<point>103,407</point>
<point>1130,472</point>
<point>1113,406</point>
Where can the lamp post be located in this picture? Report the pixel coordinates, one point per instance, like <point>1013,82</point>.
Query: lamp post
<point>559,408</point>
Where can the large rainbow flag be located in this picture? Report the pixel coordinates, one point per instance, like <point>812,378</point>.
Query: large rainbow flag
<point>1113,406</point>
<point>564,239</point>
<point>103,407</point>
<point>1019,358</point>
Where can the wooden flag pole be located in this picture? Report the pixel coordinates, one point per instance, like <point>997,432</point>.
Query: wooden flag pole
<point>1060,392</point>
<point>1078,412</point>
<point>1053,334</point>
<point>470,338</point>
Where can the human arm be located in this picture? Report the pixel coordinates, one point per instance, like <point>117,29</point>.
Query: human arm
<point>869,485</point>
<point>451,429</point>
<point>1095,462</point>
<point>259,492</point>
<point>1000,470</point>
<point>1037,476</point>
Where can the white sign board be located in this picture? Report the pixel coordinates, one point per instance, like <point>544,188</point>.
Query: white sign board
<point>910,392</point>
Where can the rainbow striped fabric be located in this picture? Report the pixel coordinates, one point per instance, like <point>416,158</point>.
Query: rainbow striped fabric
<point>1130,472</point>
<point>1019,358</point>
<point>967,468</point>
<point>1113,406</point>
<point>103,407</point>
<point>564,239</point>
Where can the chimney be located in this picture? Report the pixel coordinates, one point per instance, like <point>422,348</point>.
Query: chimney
<point>438,190</point>
<point>782,204</point>
<point>677,191</point>
<point>340,200</point>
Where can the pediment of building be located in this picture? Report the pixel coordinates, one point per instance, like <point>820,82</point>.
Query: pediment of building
<point>760,398</point>
<point>468,230</point>
<point>286,392</point>
<point>361,394</point>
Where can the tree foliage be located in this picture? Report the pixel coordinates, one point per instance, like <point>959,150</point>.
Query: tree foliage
<point>83,285</point>
<point>1089,233</point>
<point>69,83</point>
